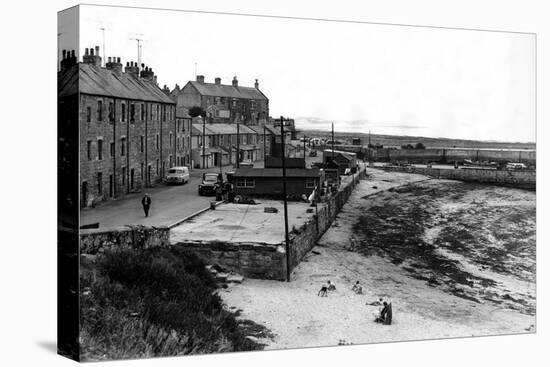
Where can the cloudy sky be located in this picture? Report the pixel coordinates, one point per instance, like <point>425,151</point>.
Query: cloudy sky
<point>384,78</point>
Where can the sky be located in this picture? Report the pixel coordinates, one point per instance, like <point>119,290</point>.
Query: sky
<point>388,79</point>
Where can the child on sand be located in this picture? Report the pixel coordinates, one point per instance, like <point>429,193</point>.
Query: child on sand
<point>357,288</point>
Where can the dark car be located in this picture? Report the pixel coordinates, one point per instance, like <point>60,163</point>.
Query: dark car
<point>208,184</point>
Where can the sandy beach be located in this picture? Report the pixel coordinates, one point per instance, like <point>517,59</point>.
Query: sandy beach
<point>438,288</point>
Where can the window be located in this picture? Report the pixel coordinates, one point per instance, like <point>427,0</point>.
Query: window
<point>88,114</point>
<point>123,176</point>
<point>123,113</point>
<point>89,149</point>
<point>123,147</point>
<point>99,111</point>
<point>112,149</point>
<point>157,167</point>
<point>132,173</point>
<point>158,113</point>
<point>245,182</point>
<point>170,160</point>
<point>142,112</point>
<point>163,112</point>
<point>141,143</point>
<point>179,126</point>
<point>100,149</point>
<point>100,183</point>
<point>157,141</point>
<point>111,112</point>
<point>170,140</point>
<point>132,112</point>
<point>141,170</point>
<point>310,183</point>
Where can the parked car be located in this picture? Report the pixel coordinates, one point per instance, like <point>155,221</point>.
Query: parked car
<point>208,184</point>
<point>177,175</point>
<point>515,166</point>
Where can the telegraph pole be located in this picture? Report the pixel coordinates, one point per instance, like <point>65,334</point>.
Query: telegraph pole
<point>238,158</point>
<point>287,244</point>
<point>333,141</point>
<point>304,151</point>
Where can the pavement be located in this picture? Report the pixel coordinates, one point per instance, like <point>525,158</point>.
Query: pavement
<point>169,204</point>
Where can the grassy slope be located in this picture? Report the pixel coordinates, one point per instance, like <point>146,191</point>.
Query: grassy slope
<point>158,302</point>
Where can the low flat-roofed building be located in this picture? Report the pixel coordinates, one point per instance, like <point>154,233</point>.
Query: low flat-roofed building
<point>268,182</point>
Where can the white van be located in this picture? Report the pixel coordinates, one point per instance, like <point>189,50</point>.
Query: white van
<point>177,175</point>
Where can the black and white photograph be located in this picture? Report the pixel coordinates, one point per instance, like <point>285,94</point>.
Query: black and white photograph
<point>293,183</point>
<point>274,183</point>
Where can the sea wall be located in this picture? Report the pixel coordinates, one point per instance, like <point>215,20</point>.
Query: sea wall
<point>443,155</point>
<point>524,179</point>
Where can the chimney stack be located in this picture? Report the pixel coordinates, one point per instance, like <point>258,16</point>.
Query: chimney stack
<point>92,57</point>
<point>69,59</point>
<point>114,65</point>
<point>235,82</point>
<point>147,73</point>
<point>200,79</point>
<point>256,84</point>
<point>132,70</point>
<point>218,81</point>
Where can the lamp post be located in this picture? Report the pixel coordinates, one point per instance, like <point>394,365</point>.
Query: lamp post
<point>201,119</point>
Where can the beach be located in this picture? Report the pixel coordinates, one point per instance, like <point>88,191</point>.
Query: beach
<point>454,259</point>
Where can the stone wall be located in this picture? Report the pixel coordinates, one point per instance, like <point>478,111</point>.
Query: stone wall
<point>304,238</point>
<point>441,155</point>
<point>252,260</point>
<point>524,179</point>
<point>93,241</point>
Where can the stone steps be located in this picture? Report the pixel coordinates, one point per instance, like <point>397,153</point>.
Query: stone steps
<point>225,277</point>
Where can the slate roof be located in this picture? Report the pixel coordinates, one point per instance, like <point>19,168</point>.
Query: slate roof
<point>98,81</point>
<point>277,172</point>
<point>223,129</point>
<point>222,90</point>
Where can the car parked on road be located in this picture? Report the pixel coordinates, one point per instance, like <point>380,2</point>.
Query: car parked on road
<point>516,166</point>
<point>177,175</point>
<point>208,184</point>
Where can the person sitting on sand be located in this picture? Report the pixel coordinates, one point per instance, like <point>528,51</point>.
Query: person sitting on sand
<point>352,244</point>
<point>357,288</point>
<point>331,286</point>
<point>376,303</point>
<point>323,291</point>
<point>385,314</point>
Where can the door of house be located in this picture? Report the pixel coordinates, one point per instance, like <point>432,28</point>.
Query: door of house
<point>111,183</point>
<point>148,174</point>
<point>84,193</point>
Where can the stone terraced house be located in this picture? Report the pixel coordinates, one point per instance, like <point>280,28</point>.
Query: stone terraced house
<point>128,134</point>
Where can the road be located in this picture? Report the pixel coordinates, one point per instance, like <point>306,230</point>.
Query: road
<point>169,204</point>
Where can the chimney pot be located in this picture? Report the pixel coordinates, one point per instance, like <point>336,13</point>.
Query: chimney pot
<point>97,50</point>
<point>109,58</point>
<point>64,52</point>
<point>200,79</point>
<point>256,84</point>
<point>86,51</point>
<point>235,82</point>
<point>91,52</point>
<point>218,81</point>
<point>118,60</point>
<point>72,54</point>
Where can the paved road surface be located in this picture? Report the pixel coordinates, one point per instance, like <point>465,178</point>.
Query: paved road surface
<point>169,204</point>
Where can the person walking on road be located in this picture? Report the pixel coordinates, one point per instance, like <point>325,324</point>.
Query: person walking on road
<point>146,202</point>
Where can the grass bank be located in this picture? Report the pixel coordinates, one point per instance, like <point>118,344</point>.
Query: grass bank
<point>158,302</point>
